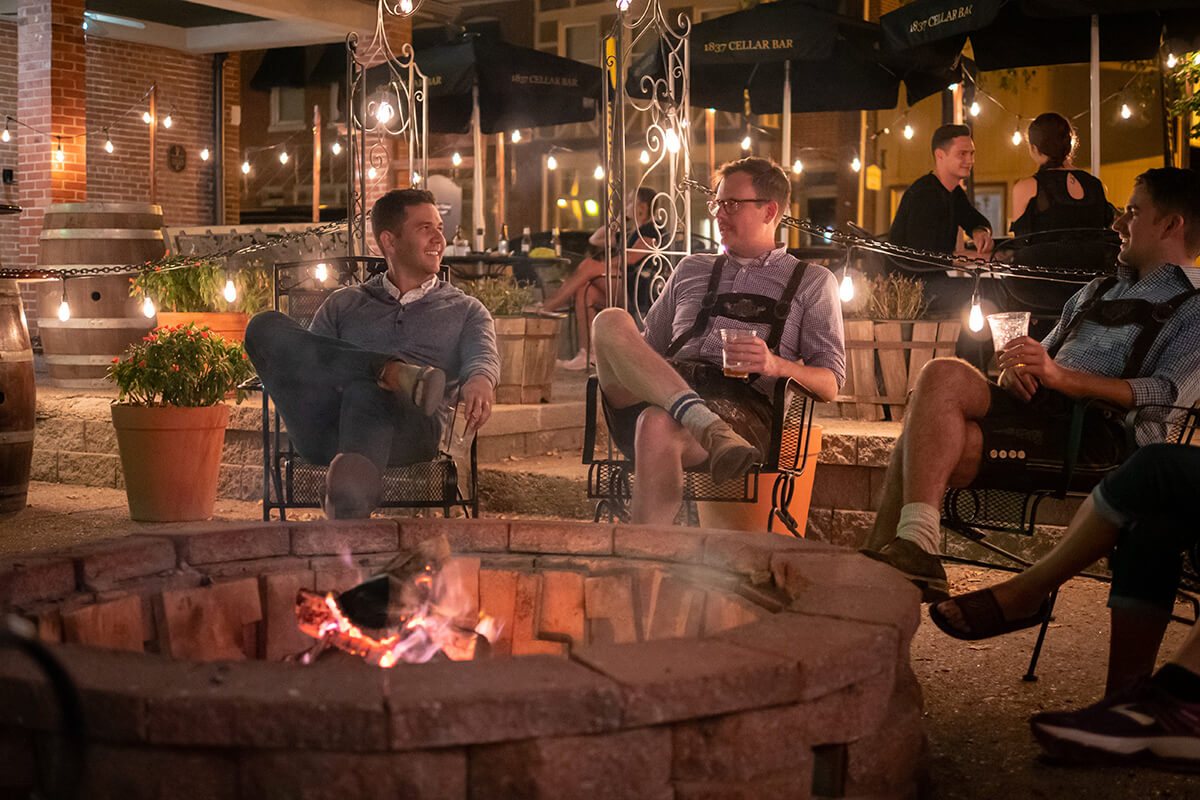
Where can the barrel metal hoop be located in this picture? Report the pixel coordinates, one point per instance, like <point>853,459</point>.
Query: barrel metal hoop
<point>79,323</point>
<point>16,356</point>
<point>16,437</point>
<point>94,360</point>
<point>105,208</point>
<point>101,233</point>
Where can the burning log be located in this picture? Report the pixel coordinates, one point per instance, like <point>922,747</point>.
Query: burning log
<point>410,612</point>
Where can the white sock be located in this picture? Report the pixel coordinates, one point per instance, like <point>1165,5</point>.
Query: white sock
<point>920,524</point>
<point>689,410</point>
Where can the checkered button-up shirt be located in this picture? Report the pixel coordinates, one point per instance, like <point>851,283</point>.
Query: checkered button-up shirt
<point>812,333</point>
<point>1170,373</point>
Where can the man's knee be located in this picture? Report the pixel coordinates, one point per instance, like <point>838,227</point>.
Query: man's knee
<point>611,324</point>
<point>262,329</point>
<point>941,374</point>
<point>657,434</point>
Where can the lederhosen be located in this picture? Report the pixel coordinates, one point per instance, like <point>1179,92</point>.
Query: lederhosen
<point>747,410</point>
<point>1041,430</point>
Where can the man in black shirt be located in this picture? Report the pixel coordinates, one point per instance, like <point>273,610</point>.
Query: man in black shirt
<point>935,207</point>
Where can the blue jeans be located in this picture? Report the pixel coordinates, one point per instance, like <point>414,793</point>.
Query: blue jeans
<point>1152,498</point>
<point>325,391</point>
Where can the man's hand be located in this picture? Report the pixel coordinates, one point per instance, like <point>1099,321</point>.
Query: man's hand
<point>1019,384</point>
<point>983,241</point>
<point>477,396</point>
<point>1030,363</point>
<point>753,352</point>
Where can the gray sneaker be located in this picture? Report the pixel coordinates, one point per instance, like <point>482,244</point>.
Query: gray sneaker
<point>923,569</point>
<point>352,487</point>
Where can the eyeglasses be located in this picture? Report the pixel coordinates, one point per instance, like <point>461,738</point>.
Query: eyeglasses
<point>731,207</point>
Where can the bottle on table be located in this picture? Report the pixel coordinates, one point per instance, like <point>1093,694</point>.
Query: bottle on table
<point>502,245</point>
<point>556,242</point>
<point>526,241</point>
<point>479,240</point>
<point>461,247</point>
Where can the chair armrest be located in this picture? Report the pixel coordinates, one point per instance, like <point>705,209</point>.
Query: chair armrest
<point>1179,424</point>
<point>589,426</point>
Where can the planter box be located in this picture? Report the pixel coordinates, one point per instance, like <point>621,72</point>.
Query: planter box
<point>528,348</point>
<point>883,360</point>
<point>230,324</point>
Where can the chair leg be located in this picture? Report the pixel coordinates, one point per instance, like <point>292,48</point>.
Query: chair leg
<point>1037,647</point>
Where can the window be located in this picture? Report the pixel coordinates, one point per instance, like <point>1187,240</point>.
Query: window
<point>582,43</point>
<point>288,112</point>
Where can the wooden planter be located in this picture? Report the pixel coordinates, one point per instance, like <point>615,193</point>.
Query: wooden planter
<point>883,360</point>
<point>528,348</point>
<point>230,324</point>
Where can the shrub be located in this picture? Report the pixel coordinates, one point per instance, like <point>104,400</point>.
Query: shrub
<point>180,366</point>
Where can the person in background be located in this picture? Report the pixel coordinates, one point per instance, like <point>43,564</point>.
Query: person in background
<point>1057,196</point>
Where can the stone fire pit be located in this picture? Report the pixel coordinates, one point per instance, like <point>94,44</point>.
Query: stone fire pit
<point>635,663</point>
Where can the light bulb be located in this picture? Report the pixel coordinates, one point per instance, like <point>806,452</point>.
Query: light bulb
<point>204,154</point>
<point>797,166</point>
<point>855,164</point>
<point>148,308</point>
<point>456,159</point>
<point>975,320</point>
<point>371,173</point>
<point>416,178</point>
<point>551,162</point>
<point>321,272</point>
<point>1171,61</point>
<point>245,167</point>
<point>283,157</point>
<point>167,121</point>
<point>975,109</point>
<point>230,291</point>
<point>1196,59</point>
<point>561,202</point>
<point>6,136</point>
<point>846,290</point>
<point>644,157</point>
<point>672,141</point>
<point>146,118</point>
<point>592,207</point>
<point>335,148</point>
<point>1126,112</point>
<point>623,5</point>
<point>59,155</point>
<point>908,131</point>
<point>953,87</point>
<point>746,142</point>
<point>108,145</point>
<point>599,173</point>
<point>516,136</point>
<point>406,7</point>
<point>384,112</point>
<point>1016,138</point>
<point>64,311</point>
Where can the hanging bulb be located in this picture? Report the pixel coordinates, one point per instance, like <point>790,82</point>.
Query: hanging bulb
<point>1171,61</point>
<point>975,319</point>
<point>230,291</point>
<point>746,142</point>
<point>148,308</point>
<point>592,207</point>
<point>59,155</point>
<point>1196,59</point>
<point>599,173</point>
<point>167,121</point>
<point>551,162</point>
<point>456,159</point>
<point>672,141</point>
<point>406,7</point>
<point>908,131</point>
<point>64,311</point>
<point>561,202</point>
<point>644,157</point>
<point>623,5</point>
<point>516,137</point>
<point>371,173</point>
<point>321,272</point>
<point>846,290</point>
<point>335,148</point>
<point>384,112</point>
<point>416,178</point>
<point>953,87</point>
<point>1126,112</point>
<point>6,136</point>
<point>855,164</point>
<point>283,157</point>
<point>108,145</point>
<point>975,109</point>
<point>246,167</point>
<point>204,154</point>
<point>1016,137</point>
<point>146,118</point>
<point>797,166</point>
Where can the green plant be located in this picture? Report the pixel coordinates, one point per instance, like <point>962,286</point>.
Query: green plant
<point>890,297</point>
<point>502,297</point>
<point>1185,73</point>
<point>197,285</point>
<point>180,366</point>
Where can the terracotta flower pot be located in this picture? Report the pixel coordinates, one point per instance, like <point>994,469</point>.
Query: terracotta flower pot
<point>171,457</point>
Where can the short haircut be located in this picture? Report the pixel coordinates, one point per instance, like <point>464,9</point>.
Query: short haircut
<point>1176,191</point>
<point>645,195</point>
<point>946,134</point>
<point>388,212</point>
<point>770,181</point>
<point>1054,137</point>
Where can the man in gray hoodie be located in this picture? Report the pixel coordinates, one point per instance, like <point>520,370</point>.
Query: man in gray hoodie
<point>371,381</point>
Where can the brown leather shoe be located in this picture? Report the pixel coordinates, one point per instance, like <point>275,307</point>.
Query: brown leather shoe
<point>729,455</point>
<point>924,570</point>
<point>425,386</point>
<point>352,487</point>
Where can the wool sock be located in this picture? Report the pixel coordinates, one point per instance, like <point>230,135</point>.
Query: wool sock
<point>920,524</point>
<point>1179,681</point>
<point>689,410</point>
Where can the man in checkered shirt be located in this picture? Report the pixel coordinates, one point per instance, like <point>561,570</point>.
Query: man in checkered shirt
<point>1130,340</point>
<point>666,401</point>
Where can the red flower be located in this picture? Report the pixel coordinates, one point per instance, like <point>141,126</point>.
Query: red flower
<point>116,360</point>
<point>204,333</point>
<point>175,368</point>
<point>140,363</point>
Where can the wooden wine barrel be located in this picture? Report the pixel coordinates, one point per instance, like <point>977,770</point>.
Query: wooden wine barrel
<point>104,319</point>
<point>17,400</point>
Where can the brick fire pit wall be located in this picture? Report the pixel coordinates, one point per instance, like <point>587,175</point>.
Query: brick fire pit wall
<point>704,664</point>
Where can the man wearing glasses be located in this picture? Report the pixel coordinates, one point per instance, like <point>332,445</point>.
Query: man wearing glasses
<point>666,400</point>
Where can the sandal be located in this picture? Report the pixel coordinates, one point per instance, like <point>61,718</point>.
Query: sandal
<point>984,616</point>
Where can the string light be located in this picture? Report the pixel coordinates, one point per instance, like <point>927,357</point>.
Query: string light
<point>592,207</point>
<point>59,155</point>
<point>975,318</point>
<point>416,177</point>
<point>1196,59</point>
<point>371,173</point>
<point>516,137</point>
<point>909,132</point>
<point>246,167</point>
<point>1016,138</point>
<point>953,87</point>
<point>148,308</point>
<point>797,166</point>
<point>336,148</point>
<point>672,141</point>
<point>561,202</point>
<point>1171,61</point>
<point>846,290</point>
<point>146,118</point>
<point>856,165</point>
<point>644,157</point>
<point>384,112</point>
<point>456,159</point>
<point>230,291</point>
<point>623,5</point>
<point>321,272</point>
<point>1126,112</point>
<point>108,146</point>
<point>599,173</point>
<point>283,157</point>
<point>551,162</point>
<point>6,136</point>
<point>204,154</point>
<point>167,121</point>
<point>406,7</point>
<point>64,308</point>
<point>746,142</point>
<point>975,108</point>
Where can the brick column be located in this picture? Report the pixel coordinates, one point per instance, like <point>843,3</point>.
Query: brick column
<point>51,98</point>
<point>231,214</point>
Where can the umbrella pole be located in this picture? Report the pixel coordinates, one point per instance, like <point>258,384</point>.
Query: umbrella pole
<point>792,238</point>
<point>1095,95</point>
<point>478,164</point>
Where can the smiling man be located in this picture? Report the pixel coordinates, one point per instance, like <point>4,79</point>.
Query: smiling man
<point>371,382</point>
<point>1131,339</point>
<point>666,400</point>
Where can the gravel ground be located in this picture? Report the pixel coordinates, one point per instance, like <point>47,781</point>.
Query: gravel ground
<point>976,704</point>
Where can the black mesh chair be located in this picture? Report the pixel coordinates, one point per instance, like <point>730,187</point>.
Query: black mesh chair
<point>1009,502</point>
<point>289,481</point>
<point>611,478</point>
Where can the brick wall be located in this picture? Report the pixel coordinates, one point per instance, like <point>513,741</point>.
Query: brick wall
<point>10,227</point>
